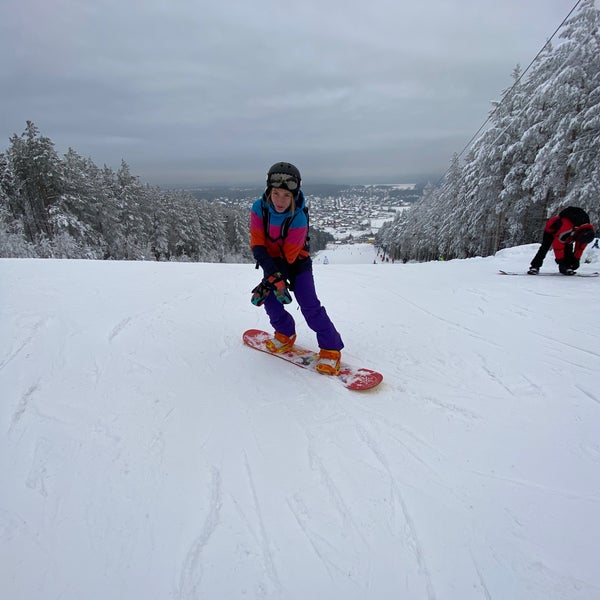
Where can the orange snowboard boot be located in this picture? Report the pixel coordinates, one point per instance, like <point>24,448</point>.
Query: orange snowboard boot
<point>280,343</point>
<point>329,362</point>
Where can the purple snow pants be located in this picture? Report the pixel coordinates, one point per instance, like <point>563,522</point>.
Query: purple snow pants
<point>314,313</point>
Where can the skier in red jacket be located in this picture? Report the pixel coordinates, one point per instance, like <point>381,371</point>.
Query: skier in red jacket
<point>568,233</point>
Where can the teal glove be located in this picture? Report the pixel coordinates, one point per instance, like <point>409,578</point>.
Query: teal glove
<point>260,293</point>
<point>274,283</point>
<point>279,286</point>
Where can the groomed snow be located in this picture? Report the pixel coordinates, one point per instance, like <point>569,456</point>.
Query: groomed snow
<point>145,452</point>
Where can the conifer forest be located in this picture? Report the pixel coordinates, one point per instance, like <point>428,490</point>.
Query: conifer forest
<point>70,208</point>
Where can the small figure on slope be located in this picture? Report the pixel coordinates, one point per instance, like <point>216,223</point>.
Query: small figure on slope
<point>279,242</point>
<point>568,233</point>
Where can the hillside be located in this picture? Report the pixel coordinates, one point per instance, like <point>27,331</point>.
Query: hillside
<point>145,452</point>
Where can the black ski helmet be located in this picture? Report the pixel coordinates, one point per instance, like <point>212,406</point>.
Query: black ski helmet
<point>285,168</point>
<point>576,215</point>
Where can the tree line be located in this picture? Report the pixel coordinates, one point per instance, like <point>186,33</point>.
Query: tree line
<point>539,153</point>
<point>70,208</point>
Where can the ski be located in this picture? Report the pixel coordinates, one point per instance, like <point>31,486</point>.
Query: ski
<point>594,274</point>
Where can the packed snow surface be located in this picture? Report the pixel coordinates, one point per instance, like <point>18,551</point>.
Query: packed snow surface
<point>146,453</point>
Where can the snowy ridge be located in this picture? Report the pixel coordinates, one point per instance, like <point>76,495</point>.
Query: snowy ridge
<point>145,452</point>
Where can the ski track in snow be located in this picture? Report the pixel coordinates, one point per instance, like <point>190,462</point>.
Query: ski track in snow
<point>337,563</point>
<point>452,409</point>
<point>192,569</point>
<point>265,542</point>
<point>588,394</point>
<point>446,321</point>
<point>484,588</point>
<point>336,496</point>
<point>16,351</point>
<point>118,328</point>
<point>23,405</point>
<point>593,353</point>
<point>410,525</point>
<point>545,490</point>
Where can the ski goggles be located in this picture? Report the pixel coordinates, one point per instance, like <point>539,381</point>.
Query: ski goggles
<point>289,182</point>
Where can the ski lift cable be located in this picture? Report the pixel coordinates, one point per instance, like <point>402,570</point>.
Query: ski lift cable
<point>514,85</point>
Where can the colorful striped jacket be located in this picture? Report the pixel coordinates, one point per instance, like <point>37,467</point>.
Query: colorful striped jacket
<point>279,240</point>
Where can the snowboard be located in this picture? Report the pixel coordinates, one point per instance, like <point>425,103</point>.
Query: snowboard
<point>594,274</point>
<point>351,377</point>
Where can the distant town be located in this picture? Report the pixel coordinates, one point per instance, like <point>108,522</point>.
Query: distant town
<point>356,213</point>
<point>350,213</point>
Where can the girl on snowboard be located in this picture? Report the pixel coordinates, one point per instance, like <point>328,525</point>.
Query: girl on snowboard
<point>279,242</point>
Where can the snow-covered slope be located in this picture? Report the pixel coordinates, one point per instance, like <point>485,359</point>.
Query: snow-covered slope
<point>145,452</point>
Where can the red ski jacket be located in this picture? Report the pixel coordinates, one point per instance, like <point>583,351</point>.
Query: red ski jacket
<point>563,231</point>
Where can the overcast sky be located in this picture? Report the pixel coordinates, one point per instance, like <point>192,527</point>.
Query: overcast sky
<point>203,92</point>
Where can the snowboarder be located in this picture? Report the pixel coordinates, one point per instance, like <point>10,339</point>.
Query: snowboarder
<point>279,242</point>
<point>568,233</point>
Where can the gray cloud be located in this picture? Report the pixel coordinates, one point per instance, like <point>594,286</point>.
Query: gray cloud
<point>191,92</point>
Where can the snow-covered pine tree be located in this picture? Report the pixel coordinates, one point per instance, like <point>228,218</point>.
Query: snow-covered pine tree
<point>563,84</point>
<point>583,34</point>
<point>12,240</point>
<point>37,184</point>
